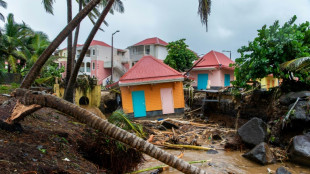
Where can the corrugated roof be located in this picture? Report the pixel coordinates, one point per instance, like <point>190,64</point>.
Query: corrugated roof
<point>150,69</point>
<point>213,58</point>
<point>150,41</point>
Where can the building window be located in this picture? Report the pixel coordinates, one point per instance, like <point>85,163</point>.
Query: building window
<point>94,66</point>
<point>94,52</point>
<point>147,49</point>
<point>88,67</point>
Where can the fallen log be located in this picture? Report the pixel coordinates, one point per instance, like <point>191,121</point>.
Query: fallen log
<point>181,146</point>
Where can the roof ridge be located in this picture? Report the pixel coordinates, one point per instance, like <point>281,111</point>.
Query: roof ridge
<point>154,59</point>
<point>216,57</point>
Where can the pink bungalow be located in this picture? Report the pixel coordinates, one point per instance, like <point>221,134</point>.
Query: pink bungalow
<point>212,71</point>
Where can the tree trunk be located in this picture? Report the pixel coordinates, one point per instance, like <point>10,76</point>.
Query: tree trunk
<point>69,43</point>
<point>36,68</point>
<point>28,97</point>
<point>68,92</point>
<point>76,37</point>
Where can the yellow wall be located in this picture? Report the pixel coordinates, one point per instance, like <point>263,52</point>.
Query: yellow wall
<point>152,95</point>
<point>269,82</point>
<point>93,95</point>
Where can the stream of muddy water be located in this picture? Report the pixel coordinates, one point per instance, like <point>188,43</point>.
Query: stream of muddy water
<point>225,162</point>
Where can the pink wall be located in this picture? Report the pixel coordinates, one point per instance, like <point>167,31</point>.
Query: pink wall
<point>100,72</point>
<point>216,77</point>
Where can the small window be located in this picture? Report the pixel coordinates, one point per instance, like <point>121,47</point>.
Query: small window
<point>94,52</point>
<point>94,65</point>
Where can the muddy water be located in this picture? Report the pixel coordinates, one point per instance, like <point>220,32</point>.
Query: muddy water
<point>225,162</point>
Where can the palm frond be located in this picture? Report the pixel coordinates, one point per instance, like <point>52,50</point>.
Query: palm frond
<point>3,4</point>
<point>2,18</point>
<point>296,64</point>
<point>48,6</point>
<point>120,119</point>
<point>204,10</point>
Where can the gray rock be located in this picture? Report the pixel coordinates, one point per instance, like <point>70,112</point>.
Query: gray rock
<point>301,111</point>
<point>282,170</point>
<point>299,150</point>
<point>253,132</point>
<point>292,96</point>
<point>260,154</point>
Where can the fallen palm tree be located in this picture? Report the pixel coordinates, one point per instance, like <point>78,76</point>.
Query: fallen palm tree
<point>29,98</point>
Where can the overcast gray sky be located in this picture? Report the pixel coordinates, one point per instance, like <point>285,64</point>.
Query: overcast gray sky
<point>232,23</point>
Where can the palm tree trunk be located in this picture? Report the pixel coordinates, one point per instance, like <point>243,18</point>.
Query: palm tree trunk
<point>36,68</point>
<point>69,43</point>
<point>28,97</point>
<point>76,37</point>
<point>70,86</point>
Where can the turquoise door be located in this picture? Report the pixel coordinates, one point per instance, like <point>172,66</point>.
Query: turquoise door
<point>202,81</point>
<point>227,80</point>
<point>138,101</point>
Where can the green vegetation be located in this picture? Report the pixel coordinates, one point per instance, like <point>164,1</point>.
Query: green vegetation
<point>120,119</point>
<point>273,46</point>
<point>7,89</point>
<point>179,56</point>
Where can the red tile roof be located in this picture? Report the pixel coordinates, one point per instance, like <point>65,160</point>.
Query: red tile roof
<point>150,41</point>
<point>213,59</point>
<point>94,42</point>
<point>149,70</point>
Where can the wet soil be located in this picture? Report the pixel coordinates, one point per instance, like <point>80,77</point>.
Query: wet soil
<point>51,142</point>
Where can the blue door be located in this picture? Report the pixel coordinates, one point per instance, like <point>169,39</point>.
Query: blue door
<point>227,80</point>
<point>138,101</point>
<point>202,81</point>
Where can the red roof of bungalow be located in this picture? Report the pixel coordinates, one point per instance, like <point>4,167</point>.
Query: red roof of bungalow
<point>213,59</point>
<point>150,70</point>
<point>149,41</point>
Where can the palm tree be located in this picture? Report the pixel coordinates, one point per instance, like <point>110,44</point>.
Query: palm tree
<point>118,5</point>
<point>34,71</point>
<point>35,47</point>
<point>28,97</point>
<point>11,43</point>
<point>4,5</point>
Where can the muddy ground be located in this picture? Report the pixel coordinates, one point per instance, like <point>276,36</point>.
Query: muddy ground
<point>50,142</point>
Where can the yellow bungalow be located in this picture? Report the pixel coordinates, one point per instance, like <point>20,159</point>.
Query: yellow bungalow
<point>151,88</point>
<point>269,82</point>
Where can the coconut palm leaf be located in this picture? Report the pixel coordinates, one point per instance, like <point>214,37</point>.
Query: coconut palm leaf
<point>120,119</point>
<point>204,10</point>
<point>4,5</point>
<point>299,64</point>
<point>48,6</point>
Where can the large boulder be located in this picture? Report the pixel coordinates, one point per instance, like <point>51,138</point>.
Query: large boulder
<point>299,149</point>
<point>292,97</point>
<point>260,154</point>
<point>301,111</point>
<point>282,170</point>
<point>253,132</point>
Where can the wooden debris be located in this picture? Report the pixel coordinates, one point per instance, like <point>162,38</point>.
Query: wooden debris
<point>162,166</point>
<point>20,111</point>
